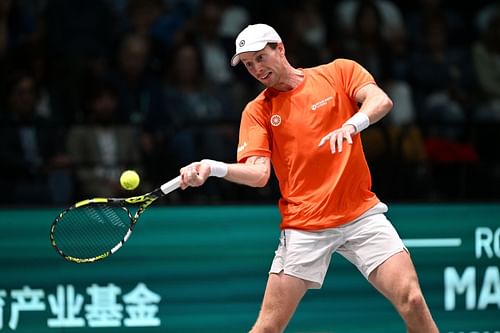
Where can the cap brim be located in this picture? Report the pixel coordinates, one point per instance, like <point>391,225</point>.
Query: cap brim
<point>235,59</point>
<point>250,48</point>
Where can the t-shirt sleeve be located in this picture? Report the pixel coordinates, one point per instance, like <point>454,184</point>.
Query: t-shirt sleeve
<point>350,75</point>
<point>254,137</point>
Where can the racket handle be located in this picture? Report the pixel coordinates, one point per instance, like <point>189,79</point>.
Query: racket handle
<point>171,185</point>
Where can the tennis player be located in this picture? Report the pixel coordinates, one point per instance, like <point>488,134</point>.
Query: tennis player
<point>306,123</point>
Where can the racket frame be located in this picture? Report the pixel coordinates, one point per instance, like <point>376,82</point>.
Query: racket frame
<point>144,200</point>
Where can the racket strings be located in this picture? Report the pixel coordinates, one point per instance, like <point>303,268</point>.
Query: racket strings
<point>91,230</point>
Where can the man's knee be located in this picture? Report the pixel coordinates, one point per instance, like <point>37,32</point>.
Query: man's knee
<point>412,302</point>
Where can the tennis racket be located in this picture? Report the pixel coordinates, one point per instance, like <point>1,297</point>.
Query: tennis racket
<point>94,229</point>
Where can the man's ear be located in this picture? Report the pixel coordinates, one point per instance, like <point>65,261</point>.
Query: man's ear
<point>281,49</point>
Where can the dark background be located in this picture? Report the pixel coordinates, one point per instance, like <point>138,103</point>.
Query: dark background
<point>148,82</point>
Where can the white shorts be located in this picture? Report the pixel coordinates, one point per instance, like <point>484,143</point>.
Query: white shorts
<point>366,242</point>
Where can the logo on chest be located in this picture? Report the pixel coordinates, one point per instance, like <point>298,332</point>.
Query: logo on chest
<point>321,103</point>
<point>275,120</point>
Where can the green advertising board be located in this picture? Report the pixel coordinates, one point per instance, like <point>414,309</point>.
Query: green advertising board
<point>204,269</point>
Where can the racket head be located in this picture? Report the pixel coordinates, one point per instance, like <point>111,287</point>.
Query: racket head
<point>92,229</point>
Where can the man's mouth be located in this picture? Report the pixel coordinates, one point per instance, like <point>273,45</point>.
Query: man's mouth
<point>266,76</point>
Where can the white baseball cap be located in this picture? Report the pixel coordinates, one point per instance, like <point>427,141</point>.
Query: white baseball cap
<point>254,38</point>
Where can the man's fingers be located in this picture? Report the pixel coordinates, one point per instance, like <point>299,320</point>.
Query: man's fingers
<point>190,176</point>
<point>340,142</point>
<point>336,139</point>
<point>325,139</point>
<point>349,138</point>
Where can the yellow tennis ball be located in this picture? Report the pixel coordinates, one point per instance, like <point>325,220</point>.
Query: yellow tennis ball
<point>130,180</point>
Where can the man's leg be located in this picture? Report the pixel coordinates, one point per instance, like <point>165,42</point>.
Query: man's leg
<point>283,294</point>
<point>397,280</point>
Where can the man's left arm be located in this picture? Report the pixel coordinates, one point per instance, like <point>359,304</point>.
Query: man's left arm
<point>375,104</point>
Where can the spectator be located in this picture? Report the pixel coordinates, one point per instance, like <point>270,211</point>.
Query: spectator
<point>486,119</point>
<point>199,120</point>
<point>391,18</point>
<point>214,55</point>
<point>139,90</point>
<point>160,22</point>
<point>79,36</point>
<point>212,45</point>
<point>48,102</point>
<point>442,79</point>
<point>202,112</point>
<point>385,58</point>
<point>102,148</point>
<point>444,85</point>
<point>367,44</point>
<point>486,55</point>
<point>34,166</point>
<point>305,31</point>
<point>233,18</point>
<point>417,17</point>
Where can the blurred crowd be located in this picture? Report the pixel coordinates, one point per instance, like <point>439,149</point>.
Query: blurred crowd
<point>90,88</point>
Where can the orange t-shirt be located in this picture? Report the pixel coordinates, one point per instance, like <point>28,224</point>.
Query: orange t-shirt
<point>319,189</point>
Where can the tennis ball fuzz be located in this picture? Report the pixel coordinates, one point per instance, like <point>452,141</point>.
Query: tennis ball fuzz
<point>130,180</point>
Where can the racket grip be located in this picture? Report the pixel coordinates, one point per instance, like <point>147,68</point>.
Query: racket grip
<point>171,185</point>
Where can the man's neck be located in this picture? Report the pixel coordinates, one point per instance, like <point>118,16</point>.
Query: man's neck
<point>291,79</point>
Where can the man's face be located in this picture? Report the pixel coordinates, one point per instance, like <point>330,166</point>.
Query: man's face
<point>265,65</point>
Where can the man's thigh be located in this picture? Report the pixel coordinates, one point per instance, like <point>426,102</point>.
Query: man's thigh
<point>370,241</point>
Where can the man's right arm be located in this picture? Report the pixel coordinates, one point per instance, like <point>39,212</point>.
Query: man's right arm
<point>255,172</point>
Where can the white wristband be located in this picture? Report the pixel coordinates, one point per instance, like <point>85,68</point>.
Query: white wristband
<point>217,169</point>
<point>360,121</point>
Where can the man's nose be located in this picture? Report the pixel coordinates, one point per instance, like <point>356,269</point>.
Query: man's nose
<point>258,69</point>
